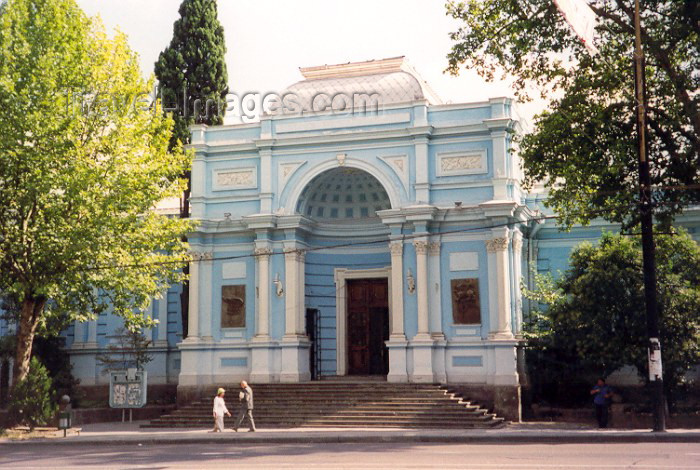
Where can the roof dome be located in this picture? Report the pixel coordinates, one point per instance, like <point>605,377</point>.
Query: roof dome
<point>343,194</point>
<point>391,81</point>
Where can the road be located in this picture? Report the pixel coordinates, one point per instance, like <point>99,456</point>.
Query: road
<point>674,456</point>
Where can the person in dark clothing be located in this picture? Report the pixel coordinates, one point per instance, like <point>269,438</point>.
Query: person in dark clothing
<point>601,399</point>
<point>245,396</point>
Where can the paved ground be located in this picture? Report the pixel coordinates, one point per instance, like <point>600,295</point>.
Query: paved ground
<point>368,456</point>
<point>553,433</point>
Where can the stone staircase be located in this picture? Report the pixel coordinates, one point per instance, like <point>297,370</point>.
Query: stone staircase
<point>340,404</point>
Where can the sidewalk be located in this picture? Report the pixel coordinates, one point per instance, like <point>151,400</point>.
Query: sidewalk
<point>516,433</point>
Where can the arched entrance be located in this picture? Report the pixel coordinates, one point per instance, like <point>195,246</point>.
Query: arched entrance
<point>348,284</point>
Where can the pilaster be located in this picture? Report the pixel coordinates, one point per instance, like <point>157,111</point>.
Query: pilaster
<point>397,338</point>
<point>499,292</point>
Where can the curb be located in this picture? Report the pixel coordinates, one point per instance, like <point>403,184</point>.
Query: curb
<point>340,438</point>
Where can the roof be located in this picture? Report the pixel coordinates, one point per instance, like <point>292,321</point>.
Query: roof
<point>391,81</point>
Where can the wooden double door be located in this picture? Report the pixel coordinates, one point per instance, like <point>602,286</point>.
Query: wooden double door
<point>367,326</point>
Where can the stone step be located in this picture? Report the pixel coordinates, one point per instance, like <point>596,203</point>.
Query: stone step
<point>343,404</point>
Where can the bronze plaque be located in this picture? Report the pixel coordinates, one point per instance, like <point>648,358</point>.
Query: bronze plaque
<point>465,301</point>
<point>233,306</point>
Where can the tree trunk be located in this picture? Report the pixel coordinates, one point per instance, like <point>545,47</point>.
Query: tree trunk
<point>28,321</point>
<point>185,294</point>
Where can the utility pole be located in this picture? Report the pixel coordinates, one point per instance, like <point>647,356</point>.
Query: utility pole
<point>647,222</point>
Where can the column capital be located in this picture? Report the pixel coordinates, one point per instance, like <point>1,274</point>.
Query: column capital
<point>201,255</point>
<point>263,251</point>
<point>517,242</point>
<point>421,247</point>
<point>396,248</point>
<point>496,244</point>
<point>434,248</point>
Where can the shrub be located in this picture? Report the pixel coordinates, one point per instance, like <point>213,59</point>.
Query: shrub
<point>32,400</point>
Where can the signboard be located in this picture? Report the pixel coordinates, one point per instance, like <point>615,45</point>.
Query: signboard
<point>582,19</point>
<point>127,388</point>
<point>655,368</point>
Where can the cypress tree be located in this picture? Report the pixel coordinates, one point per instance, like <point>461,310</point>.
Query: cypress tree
<point>192,78</point>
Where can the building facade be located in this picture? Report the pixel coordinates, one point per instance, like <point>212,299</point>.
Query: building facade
<point>360,228</point>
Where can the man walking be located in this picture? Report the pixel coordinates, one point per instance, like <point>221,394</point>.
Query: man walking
<point>245,396</point>
<point>601,399</point>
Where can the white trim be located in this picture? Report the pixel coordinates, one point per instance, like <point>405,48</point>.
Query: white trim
<point>317,125</point>
<point>341,275</point>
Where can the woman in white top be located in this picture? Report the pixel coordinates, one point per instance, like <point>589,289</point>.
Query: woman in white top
<point>219,411</point>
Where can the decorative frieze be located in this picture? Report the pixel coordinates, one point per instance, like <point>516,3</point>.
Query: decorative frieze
<point>461,163</point>
<point>235,178</point>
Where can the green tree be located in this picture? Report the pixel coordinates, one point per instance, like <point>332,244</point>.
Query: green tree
<point>130,350</point>
<point>594,313</point>
<point>193,82</point>
<point>584,146</point>
<point>83,162</point>
<point>32,401</point>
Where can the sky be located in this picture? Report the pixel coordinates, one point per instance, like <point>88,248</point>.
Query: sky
<point>268,40</point>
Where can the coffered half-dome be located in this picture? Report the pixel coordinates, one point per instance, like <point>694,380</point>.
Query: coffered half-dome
<point>343,194</point>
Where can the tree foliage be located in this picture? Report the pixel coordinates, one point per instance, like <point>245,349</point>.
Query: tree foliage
<point>33,402</point>
<point>594,317</point>
<point>584,146</point>
<point>83,162</point>
<point>193,66</point>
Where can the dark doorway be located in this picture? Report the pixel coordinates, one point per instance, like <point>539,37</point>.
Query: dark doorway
<point>368,326</point>
<point>313,331</point>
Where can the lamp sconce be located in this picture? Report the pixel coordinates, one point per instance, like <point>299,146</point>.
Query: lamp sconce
<point>410,282</point>
<point>278,285</point>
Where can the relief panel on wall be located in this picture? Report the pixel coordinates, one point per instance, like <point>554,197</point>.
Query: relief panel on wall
<point>233,306</point>
<point>466,308</point>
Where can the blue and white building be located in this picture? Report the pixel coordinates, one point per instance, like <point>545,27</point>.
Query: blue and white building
<point>361,227</point>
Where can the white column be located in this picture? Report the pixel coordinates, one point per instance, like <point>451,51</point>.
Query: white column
<point>422,286</point>
<point>434,290</point>
<point>397,330</point>
<point>261,354</point>
<point>294,293</point>
<point>500,166</point>
<point>205,296</point>
<point>497,249</point>
<point>294,345</point>
<point>301,294</point>
<point>435,301</point>
<point>162,338</point>
<point>78,335</point>
<point>92,334</point>
<point>291,291</point>
<point>193,312</point>
<point>517,275</point>
<point>397,338</point>
<point>262,324</point>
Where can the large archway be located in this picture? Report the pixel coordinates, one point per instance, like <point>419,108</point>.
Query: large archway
<point>348,283</point>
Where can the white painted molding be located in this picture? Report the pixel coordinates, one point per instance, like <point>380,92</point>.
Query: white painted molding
<point>285,171</point>
<point>399,164</point>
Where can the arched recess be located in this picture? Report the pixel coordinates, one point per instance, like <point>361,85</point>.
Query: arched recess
<point>391,189</point>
